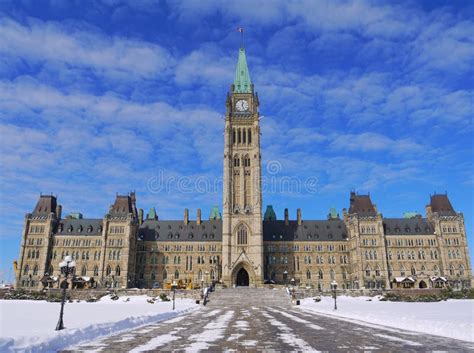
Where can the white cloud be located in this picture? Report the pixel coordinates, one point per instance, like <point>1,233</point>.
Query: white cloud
<point>115,57</point>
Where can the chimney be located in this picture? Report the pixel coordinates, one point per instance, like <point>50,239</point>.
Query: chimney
<point>298,216</point>
<point>287,221</point>
<point>59,210</point>
<point>186,216</point>
<point>140,216</point>
<point>198,216</point>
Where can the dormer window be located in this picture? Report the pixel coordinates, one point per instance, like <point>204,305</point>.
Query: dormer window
<point>89,229</point>
<point>170,235</point>
<point>99,230</point>
<point>176,236</point>
<point>204,236</point>
<point>69,229</point>
<point>79,229</point>
<point>61,226</point>
<point>190,235</point>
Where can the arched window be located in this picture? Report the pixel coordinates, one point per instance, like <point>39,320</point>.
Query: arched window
<point>320,274</point>
<point>35,270</point>
<point>200,278</point>
<point>377,271</point>
<point>37,254</point>
<point>242,235</point>
<point>461,270</point>
<point>176,274</point>
<point>451,270</point>
<point>402,271</point>
<point>236,161</point>
<point>413,271</point>
<point>96,271</point>
<point>249,136</point>
<point>308,274</point>
<point>367,271</point>
<point>239,136</point>
<point>212,274</point>
<point>153,276</point>
<point>108,271</point>
<point>117,271</point>
<point>26,270</point>
<point>84,271</point>
<point>233,136</point>
<point>118,255</point>
<point>29,254</point>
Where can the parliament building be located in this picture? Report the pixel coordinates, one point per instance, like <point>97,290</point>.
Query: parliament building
<point>244,246</point>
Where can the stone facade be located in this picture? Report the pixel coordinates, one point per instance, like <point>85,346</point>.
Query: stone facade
<point>360,250</point>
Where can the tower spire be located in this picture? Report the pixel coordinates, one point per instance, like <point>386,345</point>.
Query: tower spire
<point>242,83</point>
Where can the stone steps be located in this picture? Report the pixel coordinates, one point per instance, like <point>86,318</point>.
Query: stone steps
<point>243,296</point>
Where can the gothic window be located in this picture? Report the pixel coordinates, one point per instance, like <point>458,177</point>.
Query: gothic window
<point>413,271</point>
<point>239,136</point>
<point>242,235</point>
<point>26,270</point>
<point>165,275</point>
<point>249,136</point>
<point>244,136</point>
<point>108,271</point>
<point>451,270</point>
<point>461,270</point>
<point>96,271</point>
<point>233,137</point>
<point>176,274</point>
<point>320,274</point>
<point>117,271</point>
<point>308,274</point>
<point>84,271</point>
<point>236,161</point>
<point>377,271</point>
<point>367,271</point>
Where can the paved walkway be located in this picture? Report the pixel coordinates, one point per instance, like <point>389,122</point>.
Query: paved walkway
<point>240,326</point>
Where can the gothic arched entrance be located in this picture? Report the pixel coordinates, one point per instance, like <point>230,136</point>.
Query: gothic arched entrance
<point>422,284</point>
<point>242,279</point>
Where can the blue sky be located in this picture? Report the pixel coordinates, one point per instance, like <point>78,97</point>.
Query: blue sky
<point>108,96</point>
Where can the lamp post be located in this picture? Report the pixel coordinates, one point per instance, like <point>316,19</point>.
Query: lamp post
<point>173,288</point>
<point>67,266</point>
<point>334,287</point>
<point>285,275</point>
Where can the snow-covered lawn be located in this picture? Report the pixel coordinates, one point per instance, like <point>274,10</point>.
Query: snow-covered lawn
<point>451,318</point>
<point>27,325</point>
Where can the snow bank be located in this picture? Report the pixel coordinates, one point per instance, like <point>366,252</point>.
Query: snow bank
<point>27,325</point>
<point>451,318</point>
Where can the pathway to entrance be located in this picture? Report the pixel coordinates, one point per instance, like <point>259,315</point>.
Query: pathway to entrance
<point>248,319</point>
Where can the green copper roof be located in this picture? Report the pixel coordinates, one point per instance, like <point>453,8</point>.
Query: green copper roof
<point>215,214</point>
<point>408,215</point>
<point>152,214</point>
<point>242,83</point>
<point>270,214</point>
<point>333,214</point>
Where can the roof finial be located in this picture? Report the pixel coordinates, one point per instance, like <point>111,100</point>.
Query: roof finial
<point>241,30</point>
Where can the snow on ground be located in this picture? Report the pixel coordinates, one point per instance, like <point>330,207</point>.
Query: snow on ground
<point>451,318</point>
<point>28,325</point>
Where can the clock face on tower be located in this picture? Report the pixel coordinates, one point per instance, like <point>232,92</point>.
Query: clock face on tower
<point>242,105</point>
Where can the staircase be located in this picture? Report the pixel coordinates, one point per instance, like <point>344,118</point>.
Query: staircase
<point>245,296</point>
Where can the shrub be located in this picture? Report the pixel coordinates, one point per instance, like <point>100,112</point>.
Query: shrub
<point>164,297</point>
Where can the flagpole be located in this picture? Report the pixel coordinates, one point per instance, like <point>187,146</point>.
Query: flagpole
<point>241,30</point>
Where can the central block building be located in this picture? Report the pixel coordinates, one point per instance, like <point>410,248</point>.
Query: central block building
<point>243,246</point>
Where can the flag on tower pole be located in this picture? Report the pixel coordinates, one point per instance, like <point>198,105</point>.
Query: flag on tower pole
<point>241,30</point>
